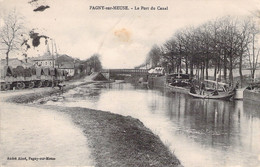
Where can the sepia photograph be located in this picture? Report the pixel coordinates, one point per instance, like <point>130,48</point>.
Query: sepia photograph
<point>130,83</point>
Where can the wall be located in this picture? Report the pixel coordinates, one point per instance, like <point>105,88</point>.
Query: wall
<point>44,63</point>
<point>71,72</point>
<point>251,95</point>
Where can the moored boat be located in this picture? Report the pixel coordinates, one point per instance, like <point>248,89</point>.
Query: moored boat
<point>178,89</point>
<point>210,95</point>
<point>220,86</point>
<point>178,82</point>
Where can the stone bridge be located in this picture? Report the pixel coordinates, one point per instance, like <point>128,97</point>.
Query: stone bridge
<point>115,73</point>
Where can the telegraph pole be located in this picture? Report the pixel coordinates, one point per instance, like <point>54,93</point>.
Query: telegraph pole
<point>52,62</point>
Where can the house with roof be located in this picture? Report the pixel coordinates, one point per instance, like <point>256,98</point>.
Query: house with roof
<point>66,63</point>
<point>63,62</point>
<point>46,60</point>
<point>69,67</point>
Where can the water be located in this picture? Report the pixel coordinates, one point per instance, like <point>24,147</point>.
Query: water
<point>199,132</point>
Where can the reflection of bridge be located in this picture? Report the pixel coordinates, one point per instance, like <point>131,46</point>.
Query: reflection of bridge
<point>113,73</point>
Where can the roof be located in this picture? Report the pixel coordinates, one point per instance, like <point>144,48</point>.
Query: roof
<point>156,70</point>
<point>66,65</point>
<point>45,56</point>
<point>64,58</point>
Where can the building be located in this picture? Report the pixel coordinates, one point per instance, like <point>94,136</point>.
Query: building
<point>46,60</point>
<point>68,67</point>
<point>157,71</point>
<point>66,63</point>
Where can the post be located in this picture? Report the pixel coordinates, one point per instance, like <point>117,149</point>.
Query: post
<point>7,63</point>
<point>52,63</point>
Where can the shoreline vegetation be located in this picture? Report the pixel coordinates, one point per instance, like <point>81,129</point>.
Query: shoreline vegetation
<point>223,44</point>
<point>113,139</point>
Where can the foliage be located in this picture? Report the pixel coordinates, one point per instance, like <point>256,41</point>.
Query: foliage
<point>154,56</point>
<point>94,62</point>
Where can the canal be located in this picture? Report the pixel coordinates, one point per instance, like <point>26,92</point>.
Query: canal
<point>199,132</point>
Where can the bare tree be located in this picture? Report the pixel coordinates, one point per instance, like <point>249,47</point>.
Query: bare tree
<point>253,50</point>
<point>170,55</point>
<point>244,41</point>
<point>11,33</point>
<point>222,44</point>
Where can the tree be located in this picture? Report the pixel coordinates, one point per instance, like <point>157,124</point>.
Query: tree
<point>11,33</point>
<point>170,55</point>
<point>252,49</point>
<point>95,63</point>
<point>154,55</point>
<point>244,42</point>
<point>221,44</point>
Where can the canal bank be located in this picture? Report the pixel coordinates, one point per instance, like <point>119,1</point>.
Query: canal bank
<point>198,131</point>
<point>252,95</point>
<point>114,140</point>
<point>160,82</point>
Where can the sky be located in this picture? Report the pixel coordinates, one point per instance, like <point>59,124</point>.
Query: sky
<point>123,38</point>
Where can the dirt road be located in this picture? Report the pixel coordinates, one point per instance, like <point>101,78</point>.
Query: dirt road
<point>32,136</point>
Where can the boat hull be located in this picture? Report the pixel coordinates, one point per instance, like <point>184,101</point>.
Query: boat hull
<point>178,89</point>
<point>221,96</point>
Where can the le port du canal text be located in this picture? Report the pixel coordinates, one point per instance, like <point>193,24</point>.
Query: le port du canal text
<point>145,8</point>
<point>31,158</point>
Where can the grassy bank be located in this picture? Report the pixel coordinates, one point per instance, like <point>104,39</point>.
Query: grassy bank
<point>114,140</point>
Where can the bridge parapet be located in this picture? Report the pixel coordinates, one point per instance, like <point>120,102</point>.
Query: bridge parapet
<point>125,71</point>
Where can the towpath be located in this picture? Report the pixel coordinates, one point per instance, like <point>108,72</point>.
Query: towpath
<point>39,137</point>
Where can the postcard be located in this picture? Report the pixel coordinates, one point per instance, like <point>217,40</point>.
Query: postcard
<point>130,83</point>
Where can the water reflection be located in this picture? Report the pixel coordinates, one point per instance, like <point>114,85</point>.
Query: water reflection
<point>200,132</point>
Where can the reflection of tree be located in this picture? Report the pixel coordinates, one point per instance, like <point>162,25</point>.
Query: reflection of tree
<point>251,109</point>
<point>214,119</point>
<point>252,115</point>
<point>214,123</point>
<point>171,108</point>
<point>179,107</point>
